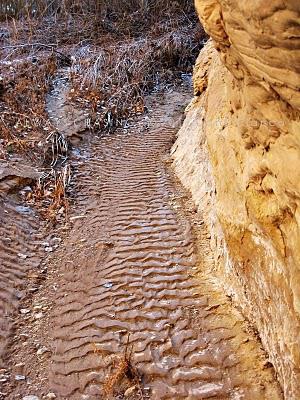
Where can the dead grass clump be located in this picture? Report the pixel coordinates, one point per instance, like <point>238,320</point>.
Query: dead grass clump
<point>123,369</point>
<point>112,9</point>
<point>23,120</point>
<point>50,193</point>
<point>72,21</point>
<point>111,82</point>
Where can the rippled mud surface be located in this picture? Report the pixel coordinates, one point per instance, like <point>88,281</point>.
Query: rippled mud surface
<point>18,258</point>
<point>125,277</point>
<point>129,271</point>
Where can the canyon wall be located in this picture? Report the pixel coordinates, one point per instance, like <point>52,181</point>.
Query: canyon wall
<point>238,153</point>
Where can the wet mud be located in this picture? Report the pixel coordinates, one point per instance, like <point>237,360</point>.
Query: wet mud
<point>131,273</point>
<point>19,259</point>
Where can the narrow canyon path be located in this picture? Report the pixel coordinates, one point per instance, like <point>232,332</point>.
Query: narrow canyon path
<point>131,274</point>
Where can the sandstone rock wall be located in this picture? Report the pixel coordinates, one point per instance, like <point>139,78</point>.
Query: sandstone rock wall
<point>239,154</point>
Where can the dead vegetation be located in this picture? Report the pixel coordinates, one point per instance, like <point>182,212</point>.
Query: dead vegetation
<point>51,193</point>
<point>124,379</point>
<point>112,53</point>
<point>111,82</point>
<point>22,101</point>
<point>26,130</point>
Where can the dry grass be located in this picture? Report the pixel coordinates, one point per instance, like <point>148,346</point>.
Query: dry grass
<point>22,100</point>
<point>134,47</point>
<point>122,371</point>
<point>113,52</point>
<point>72,21</point>
<point>50,193</point>
<point>98,9</point>
<point>111,82</point>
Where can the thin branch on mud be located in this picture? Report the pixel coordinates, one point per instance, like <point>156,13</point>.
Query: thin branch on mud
<point>39,45</point>
<point>18,46</point>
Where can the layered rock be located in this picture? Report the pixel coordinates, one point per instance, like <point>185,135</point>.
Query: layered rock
<point>239,154</point>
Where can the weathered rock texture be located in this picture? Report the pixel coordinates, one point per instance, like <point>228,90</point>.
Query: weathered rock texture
<point>239,154</point>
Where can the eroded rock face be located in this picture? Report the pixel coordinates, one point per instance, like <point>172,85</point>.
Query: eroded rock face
<point>239,154</point>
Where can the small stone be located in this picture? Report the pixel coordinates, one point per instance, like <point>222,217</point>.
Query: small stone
<point>30,397</point>
<point>22,256</point>
<point>39,315</point>
<point>20,377</point>
<point>50,396</point>
<point>25,311</point>
<point>48,249</point>
<point>42,350</point>
<point>108,285</point>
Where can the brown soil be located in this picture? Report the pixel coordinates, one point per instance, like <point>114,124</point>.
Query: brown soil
<point>128,308</point>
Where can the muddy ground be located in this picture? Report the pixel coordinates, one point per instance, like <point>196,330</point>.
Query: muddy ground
<point>120,300</point>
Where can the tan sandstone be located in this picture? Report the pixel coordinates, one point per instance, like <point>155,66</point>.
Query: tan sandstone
<point>238,153</point>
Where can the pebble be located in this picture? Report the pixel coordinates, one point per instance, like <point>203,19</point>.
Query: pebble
<point>20,377</point>
<point>51,396</point>
<point>48,249</point>
<point>108,285</point>
<point>25,311</point>
<point>30,397</point>
<point>22,256</point>
<point>39,315</point>
<point>42,350</point>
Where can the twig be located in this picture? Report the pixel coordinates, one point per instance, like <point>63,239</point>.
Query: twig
<point>48,46</point>
<point>13,46</point>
